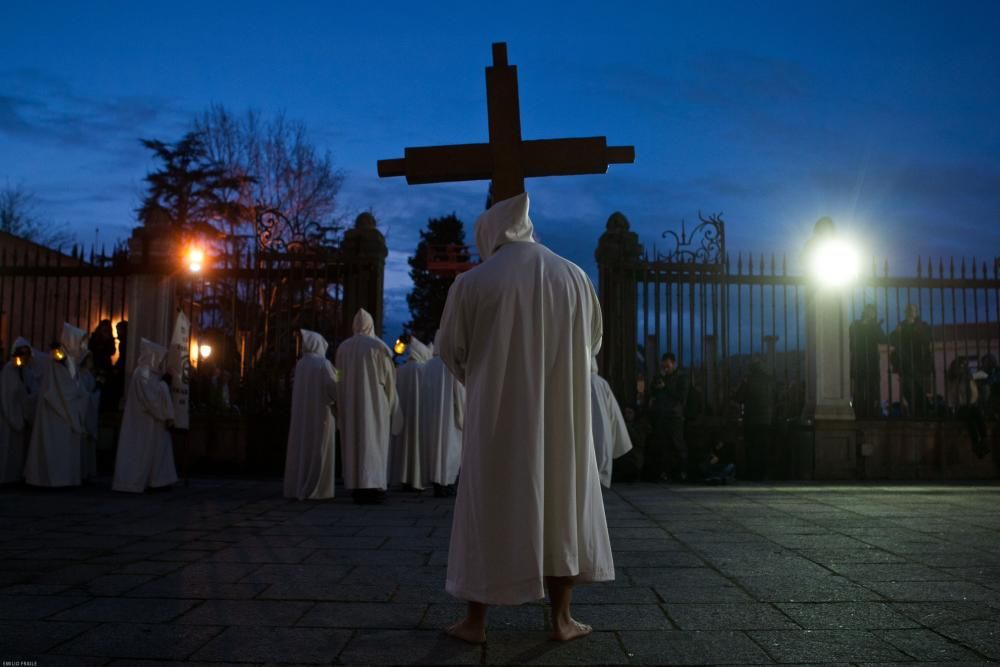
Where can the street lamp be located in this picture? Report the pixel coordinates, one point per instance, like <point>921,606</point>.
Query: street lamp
<point>205,351</point>
<point>195,259</point>
<point>833,261</point>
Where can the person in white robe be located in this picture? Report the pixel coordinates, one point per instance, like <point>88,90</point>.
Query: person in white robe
<point>519,331</point>
<point>311,455</point>
<point>54,455</point>
<point>366,401</point>
<point>18,397</point>
<point>407,458</point>
<point>611,439</point>
<point>91,415</point>
<point>442,413</point>
<point>145,457</point>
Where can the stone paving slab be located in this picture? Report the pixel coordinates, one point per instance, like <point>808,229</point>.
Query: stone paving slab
<point>225,571</point>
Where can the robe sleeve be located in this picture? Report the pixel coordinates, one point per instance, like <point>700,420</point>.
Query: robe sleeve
<point>330,384</point>
<point>621,443</point>
<point>453,334</point>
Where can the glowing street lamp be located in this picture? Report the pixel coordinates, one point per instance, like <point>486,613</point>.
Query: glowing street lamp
<point>195,259</point>
<point>833,261</point>
<point>205,351</point>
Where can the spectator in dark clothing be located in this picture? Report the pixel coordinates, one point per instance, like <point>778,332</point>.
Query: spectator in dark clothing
<point>102,347</point>
<point>963,400</point>
<point>866,336</point>
<point>911,359</point>
<point>758,394</point>
<point>669,454</point>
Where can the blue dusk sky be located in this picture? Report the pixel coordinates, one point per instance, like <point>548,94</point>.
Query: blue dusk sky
<point>882,115</point>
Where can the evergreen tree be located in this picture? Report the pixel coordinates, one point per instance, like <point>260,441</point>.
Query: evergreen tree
<point>430,289</point>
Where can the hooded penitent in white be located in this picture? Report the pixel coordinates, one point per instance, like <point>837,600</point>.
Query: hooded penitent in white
<point>519,330</point>
<point>366,399</point>
<point>408,464</point>
<point>611,438</point>
<point>442,411</point>
<point>54,455</point>
<point>145,450</point>
<point>18,396</point>
<point>312,435</point>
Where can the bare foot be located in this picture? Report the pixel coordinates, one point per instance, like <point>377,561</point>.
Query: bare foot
<point>468,631</point>
<point>571,629</point>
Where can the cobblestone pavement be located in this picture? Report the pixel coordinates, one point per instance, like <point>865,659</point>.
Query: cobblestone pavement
<point>228,571</point>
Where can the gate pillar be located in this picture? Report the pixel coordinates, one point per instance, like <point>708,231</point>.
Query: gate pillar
<point>618,254</point>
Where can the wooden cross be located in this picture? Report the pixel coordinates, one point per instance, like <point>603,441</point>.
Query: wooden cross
<point>507,159</point>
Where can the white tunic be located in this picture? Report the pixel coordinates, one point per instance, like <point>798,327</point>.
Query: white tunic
<point>17,407</point>
<point>145,450</point>
<point>366,400</point>
<point>611,438</point>
<point>442,403</point>
<point>91,423</point>
<point>54,455</point>
<point>408,464</point>
<point>519,330</point>
<point>311,456</point>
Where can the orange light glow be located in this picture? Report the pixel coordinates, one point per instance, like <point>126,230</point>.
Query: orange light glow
<point>195,259</point>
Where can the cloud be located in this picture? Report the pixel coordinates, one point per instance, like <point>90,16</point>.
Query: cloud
<point>45,110</point>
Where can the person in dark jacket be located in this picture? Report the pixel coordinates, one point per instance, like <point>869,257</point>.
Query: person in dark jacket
<point>866,335</point>
<point>668,458</point>
<point>911,359</point>
<point>758,395</point>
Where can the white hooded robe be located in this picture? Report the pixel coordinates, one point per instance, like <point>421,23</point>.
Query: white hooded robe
<point>145,455</point>
<point>611,438</point>
<point>366,400</point>
<point>408,464</point>
<point>520,330</point>
<point>442,413</point>
<point>18,396</point>
<point>54,455</point>
<point>311,456</point>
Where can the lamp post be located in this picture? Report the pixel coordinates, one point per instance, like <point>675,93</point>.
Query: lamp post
<point>833,264</point>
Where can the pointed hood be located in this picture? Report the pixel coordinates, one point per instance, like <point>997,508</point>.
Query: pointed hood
<point>151,355</point>
<point>505,222</point>
<point>19,342</point>
<point>73,341</point>
<point>364,325</point>
<point>313,343</point>
<point>419,352</point>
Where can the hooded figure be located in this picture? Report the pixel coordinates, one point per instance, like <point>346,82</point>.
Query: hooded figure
<point>442,412</point>
<point>57,437</point>
<point>366,400</point>
<point>408,464</point>
<point>145,450</point>
<point>611,438</point>
<point>519,331</point>
<point>18,397</point>
<point>312,435</point>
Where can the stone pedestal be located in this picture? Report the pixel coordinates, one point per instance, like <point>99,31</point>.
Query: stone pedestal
<point>618,253</point>
<point>154,256</point>
<point>364,252</point>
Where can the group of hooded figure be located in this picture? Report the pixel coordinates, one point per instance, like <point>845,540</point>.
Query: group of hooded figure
<point>49,418</point>
<point>398,426</point>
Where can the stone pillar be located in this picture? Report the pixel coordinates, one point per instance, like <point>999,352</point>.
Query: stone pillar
<point>364,251</point>
<point>154,255</point>
<point>828,364</point>
<point>618,253</point>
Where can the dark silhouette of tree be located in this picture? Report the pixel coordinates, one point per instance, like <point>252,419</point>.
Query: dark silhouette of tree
<point>189,187</point>
<point>430,289</point>
<point>19,217</point>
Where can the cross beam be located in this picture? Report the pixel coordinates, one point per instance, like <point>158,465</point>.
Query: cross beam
<point>507,159</point>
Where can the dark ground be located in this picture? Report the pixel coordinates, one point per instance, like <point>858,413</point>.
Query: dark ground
<point>228,571</point>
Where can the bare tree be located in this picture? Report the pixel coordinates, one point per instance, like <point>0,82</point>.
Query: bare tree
<point>279,169</point>
<point>19,217</point>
